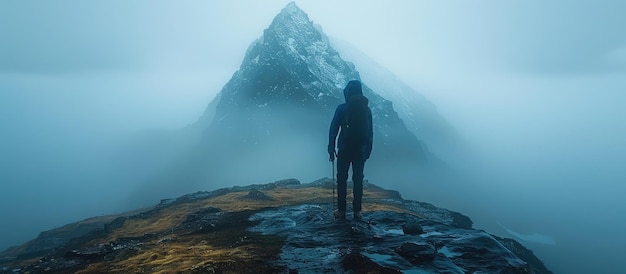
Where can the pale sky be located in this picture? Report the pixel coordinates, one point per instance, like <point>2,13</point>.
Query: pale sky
<point>536,86</point>
<point>199,44</point>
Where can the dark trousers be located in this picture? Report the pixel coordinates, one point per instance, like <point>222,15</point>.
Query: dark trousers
<point>344,160</point>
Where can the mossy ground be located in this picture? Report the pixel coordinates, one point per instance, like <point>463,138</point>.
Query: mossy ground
<point>229,248</point>
<point>232,249</point>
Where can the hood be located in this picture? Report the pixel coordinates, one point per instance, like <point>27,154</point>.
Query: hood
<point>352,88</point>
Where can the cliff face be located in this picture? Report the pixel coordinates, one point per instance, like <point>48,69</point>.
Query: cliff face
<point>278,227</point>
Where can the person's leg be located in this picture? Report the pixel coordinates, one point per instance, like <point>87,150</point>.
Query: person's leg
<point>357,178</point>
<point>343,164</point>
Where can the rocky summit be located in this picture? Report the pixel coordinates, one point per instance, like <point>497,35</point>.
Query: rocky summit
<point>280,227</point>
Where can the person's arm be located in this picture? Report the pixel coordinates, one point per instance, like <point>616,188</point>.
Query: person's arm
<point>334,131</point>
<point>370,137</point>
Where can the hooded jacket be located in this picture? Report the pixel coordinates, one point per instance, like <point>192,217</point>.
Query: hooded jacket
<point>352,88</point>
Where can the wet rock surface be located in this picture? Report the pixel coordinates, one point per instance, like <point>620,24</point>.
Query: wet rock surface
<point>317,243</point>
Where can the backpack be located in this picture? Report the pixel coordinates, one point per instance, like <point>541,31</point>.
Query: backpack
<point>356,124</point>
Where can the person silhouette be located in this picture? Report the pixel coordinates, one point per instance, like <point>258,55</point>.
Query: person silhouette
<point>353,123</point>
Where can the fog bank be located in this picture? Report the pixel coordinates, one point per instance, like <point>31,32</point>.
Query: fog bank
<point>534,87</point>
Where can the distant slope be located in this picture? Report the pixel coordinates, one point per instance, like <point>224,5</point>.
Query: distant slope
<point>417,112</point>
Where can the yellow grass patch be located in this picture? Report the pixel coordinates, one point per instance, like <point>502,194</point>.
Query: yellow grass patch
<point>169,217</point>
<point>188,253</point>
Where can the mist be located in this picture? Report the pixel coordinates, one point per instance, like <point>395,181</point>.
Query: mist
<point>534,89</point>
<point>67,139</point>
<point>546,167</point>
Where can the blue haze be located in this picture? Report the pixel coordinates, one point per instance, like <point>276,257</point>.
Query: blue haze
<point>537,88</point>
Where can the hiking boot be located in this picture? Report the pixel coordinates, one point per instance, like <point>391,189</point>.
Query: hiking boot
<point>340,215</point>
<point>357,215</point>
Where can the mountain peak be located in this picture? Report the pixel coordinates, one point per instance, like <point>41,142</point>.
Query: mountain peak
<point>288,86</point>
<point>294,45</point>
<point>292,8</point>
<point>291,16</point>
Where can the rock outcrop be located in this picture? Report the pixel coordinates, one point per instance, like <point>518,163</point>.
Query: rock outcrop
<point>280,227</point>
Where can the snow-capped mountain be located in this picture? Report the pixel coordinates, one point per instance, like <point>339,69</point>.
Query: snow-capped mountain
<point>292,67</point>
<point>271,118</point>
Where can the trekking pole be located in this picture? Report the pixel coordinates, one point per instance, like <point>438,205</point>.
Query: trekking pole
<point>332,163</point>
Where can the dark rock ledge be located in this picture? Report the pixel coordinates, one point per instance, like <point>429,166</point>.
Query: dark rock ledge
<point>280,227</point>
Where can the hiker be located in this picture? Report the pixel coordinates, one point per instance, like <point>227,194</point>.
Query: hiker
<point>354,145</point>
